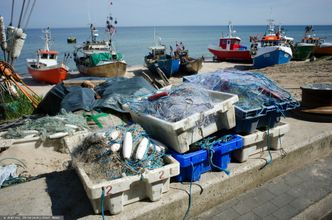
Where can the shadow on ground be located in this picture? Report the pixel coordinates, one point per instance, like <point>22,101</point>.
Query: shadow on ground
<point>67,195</point>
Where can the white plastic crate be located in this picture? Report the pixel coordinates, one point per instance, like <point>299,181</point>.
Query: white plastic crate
<point>257,142</point>
<point>120,192</point>
<point>33,140</point>
<point>179,135</point>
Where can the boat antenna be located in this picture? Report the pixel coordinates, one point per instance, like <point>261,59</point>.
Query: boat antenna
<point>21,14</point>
<point>230,28</point>
<point>12,13</point>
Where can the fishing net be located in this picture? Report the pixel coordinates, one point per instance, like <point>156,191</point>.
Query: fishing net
<point>181,102</point>
<point>255,91</point>
<point>64,122</point>
<point>101,161</point>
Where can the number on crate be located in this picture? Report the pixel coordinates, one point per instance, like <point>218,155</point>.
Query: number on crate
<point>161,174</point>
<point>108,190</point>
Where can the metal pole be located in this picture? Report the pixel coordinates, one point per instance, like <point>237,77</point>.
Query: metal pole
<point>19,22</point>
<point>12,14</point>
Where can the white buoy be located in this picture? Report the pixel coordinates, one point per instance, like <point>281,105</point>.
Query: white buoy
<point>115,147</point>
<point>127,145</point>
<point>3,39</point>
<point>18,43</point>
<point>58,135</point>
<point>141,149</point>
<point>114,135</point>
<point>71,126</point>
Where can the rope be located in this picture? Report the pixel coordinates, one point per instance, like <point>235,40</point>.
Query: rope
<point>208,144</point>
<point>269,161</point>
<point>102,203</point>
<point>12,158</point>
<point>190,194</point>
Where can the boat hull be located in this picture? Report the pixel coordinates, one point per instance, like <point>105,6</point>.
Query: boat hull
<point>269,56</point>
<point>231,55</point>
<point>168,66</point>
<point>192,66</point>
<point>114,69</point>
<point>323,51</point>
<point>302,51</point>
<point>52,75</point>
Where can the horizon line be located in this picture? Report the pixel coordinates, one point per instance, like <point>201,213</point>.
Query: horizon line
<point>203,25</point>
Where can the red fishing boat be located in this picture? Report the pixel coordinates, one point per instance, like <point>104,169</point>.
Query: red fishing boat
<point>46,67</point>
<point>230,49</point>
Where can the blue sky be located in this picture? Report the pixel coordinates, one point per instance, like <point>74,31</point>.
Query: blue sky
<point>79,13</point>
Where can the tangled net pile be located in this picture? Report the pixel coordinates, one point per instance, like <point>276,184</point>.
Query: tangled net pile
<point>102,162</point>
<point>181,102</point>
<point>64,122</point>
<point>254,89</point>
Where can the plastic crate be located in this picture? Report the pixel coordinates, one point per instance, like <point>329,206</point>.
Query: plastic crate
<point>257,142</point>
<point>247,121</point>
<point>119,192</point>
<point>179,135</point>
<point>193,164</point>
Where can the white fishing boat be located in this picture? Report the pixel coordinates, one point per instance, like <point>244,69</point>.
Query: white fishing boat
<point>273,49</point>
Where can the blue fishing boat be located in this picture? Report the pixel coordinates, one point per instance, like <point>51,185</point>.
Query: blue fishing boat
<point>158,58</point>
<point>273,49</point>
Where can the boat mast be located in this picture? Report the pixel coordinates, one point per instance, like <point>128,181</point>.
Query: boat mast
<point>47,38</point>
<point>230,29</point>
<point>270,30</point>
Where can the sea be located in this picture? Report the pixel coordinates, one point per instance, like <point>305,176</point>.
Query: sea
<point>133,42</point>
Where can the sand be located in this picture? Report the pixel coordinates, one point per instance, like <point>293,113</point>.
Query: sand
<point>290,76</point>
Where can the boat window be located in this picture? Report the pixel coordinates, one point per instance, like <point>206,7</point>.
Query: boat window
<point>44,56</point>
<point>52,56</point>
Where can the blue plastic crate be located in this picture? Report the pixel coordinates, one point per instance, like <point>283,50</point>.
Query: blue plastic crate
<point>193,164</point>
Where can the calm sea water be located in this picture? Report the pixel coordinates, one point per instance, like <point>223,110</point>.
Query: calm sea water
<point>133,42</point>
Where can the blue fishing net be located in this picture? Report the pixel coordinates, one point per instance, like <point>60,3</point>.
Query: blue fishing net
<point>255,90</point>
<point>181,102</point>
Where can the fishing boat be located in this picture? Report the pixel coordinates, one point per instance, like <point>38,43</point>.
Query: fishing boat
<point>188,65</point>
<point>99,58</point>
<point>46,67</point>
<point>230,49</point>
<point>302,51</point>
<point>273,49</point>
<point>321,48</point>
<point>157,57</point>
<point>71,40</point>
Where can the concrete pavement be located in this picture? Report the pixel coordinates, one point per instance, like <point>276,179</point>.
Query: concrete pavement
<point>296,194</point>
<point>61,193</point>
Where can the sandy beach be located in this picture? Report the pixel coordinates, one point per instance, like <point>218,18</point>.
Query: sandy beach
<point>290,76</point>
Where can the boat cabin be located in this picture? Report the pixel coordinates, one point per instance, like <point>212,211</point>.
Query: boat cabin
<point>230,43</point>
<point>47,57</point>
<point>311,40</point>
<point>156,52</point>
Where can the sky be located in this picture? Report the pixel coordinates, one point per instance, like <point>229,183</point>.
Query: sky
<point>79,13</point>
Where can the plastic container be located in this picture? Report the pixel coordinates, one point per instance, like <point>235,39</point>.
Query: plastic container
<point>179,135</point>
<point>193,164</point>
<point>247,121</point>
<point>258,141</point>
<point>120,192</point>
